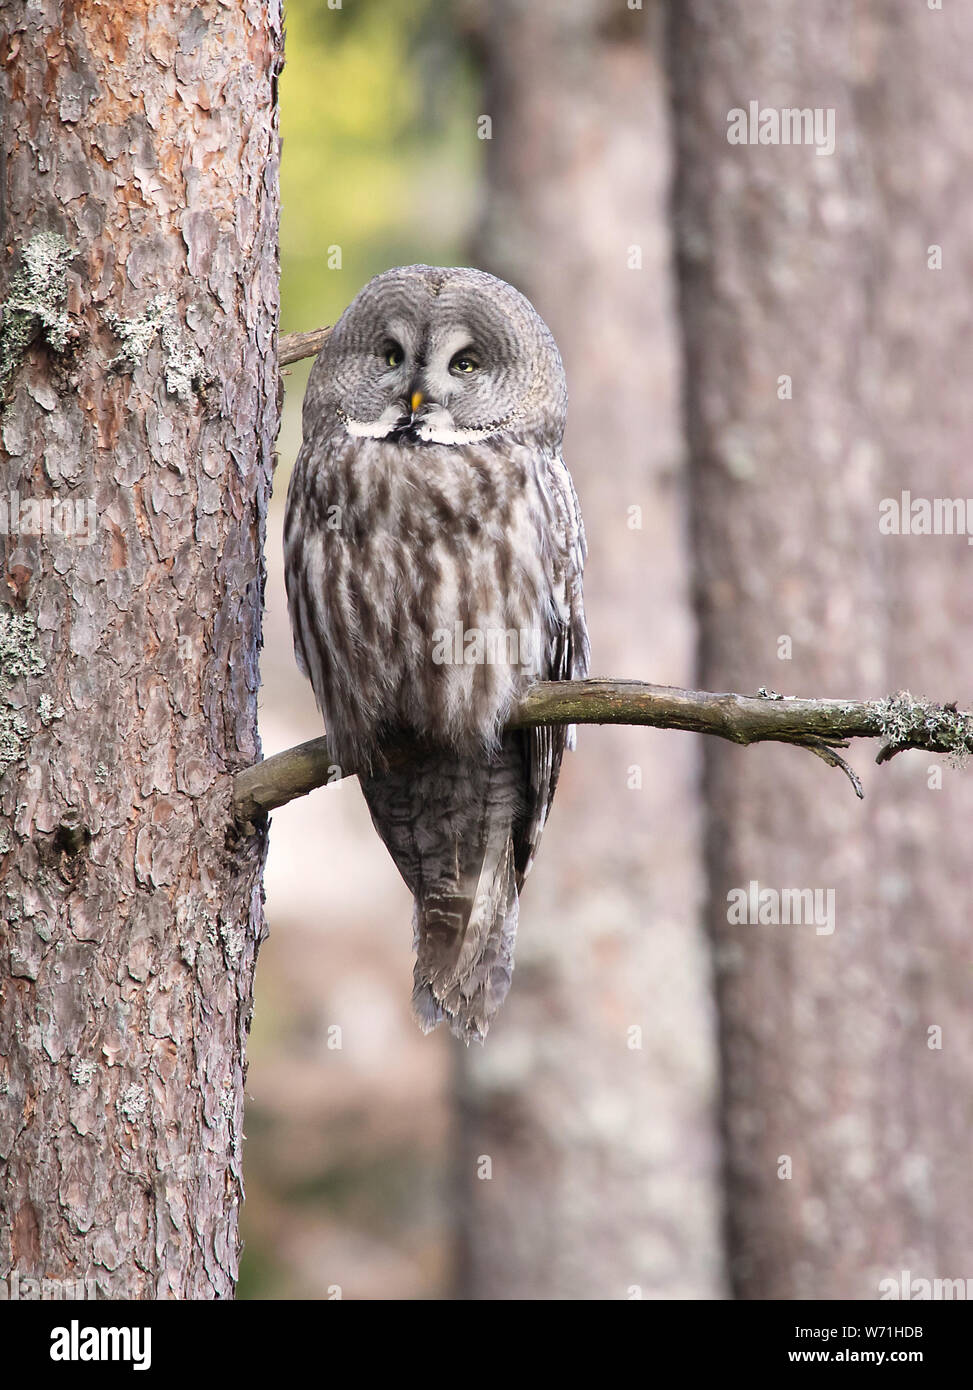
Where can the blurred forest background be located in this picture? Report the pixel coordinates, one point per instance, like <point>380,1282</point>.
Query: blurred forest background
<point>671,1106</point>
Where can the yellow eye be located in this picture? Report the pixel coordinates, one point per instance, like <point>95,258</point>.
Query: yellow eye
<point>393,356</point>
<point>463,362</point>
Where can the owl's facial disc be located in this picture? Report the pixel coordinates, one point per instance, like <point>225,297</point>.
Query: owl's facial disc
<point>439,356</point>
<point>435,379</point>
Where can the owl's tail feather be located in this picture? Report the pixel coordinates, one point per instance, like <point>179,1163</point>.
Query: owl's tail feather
<point>465,937</point>
<point>448,823</point>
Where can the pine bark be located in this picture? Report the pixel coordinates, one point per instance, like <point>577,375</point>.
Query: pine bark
<point>143,138</point>
<point>845,1156</point>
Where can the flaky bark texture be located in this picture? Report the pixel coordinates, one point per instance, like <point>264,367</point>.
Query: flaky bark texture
<point>144,138</point>
<point>592,1101</point>
<point>815,267</point>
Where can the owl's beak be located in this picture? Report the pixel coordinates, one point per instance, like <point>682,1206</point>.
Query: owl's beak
<point>415,400</point>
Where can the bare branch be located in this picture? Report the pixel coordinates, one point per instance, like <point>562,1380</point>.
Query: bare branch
<point>293,346</point>
<point>901,721</point>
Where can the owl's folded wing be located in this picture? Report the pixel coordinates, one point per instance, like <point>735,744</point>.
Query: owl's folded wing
<point>568,654</point>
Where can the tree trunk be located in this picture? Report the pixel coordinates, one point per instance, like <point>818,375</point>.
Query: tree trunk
<point>846,1156</point>
<point>140,183</point>
<point>593,1099</point>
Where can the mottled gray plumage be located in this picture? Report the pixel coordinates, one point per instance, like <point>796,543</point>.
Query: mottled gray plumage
<point>429,504</point>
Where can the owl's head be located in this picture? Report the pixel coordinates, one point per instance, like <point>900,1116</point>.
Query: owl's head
<point>426,354</point>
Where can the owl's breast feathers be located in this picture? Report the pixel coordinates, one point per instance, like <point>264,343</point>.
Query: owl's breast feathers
<point>430,585</point>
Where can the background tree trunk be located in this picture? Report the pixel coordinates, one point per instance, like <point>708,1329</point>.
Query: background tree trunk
<point>815,267</point>
<point>146,138</point>
<point>594,1098</point>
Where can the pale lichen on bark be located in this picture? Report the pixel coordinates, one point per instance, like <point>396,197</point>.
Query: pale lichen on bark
<point>35,302</point>
<point>185,370</point>
<point>19,659</point>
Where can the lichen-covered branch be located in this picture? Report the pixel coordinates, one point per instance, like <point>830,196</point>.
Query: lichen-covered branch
<point>901,721</point>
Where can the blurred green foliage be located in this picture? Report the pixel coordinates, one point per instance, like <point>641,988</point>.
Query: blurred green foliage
<point>380,155</point>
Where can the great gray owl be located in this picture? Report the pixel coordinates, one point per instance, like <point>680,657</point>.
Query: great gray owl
<point>433,550</point>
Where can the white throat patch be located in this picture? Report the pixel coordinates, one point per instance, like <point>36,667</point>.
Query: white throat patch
<point>427,432</point>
